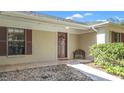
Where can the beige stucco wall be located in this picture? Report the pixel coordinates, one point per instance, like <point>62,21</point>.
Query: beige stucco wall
<point>115,29</point>
<point>44,45</point>
<point>43,49</point>
<point>73,44</point>
<point>85,41</point>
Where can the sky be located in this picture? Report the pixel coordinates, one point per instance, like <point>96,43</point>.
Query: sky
<point>86,16</point>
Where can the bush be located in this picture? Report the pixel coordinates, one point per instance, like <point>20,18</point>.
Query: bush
<point>109,52</point>
<point>116,70</point>
<point>110,57</point>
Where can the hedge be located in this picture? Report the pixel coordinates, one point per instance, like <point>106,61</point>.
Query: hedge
<point>110,57</point>
<point>109,52</point>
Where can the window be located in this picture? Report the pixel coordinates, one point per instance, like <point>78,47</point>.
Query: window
<point>16,41</point>
<point>116,37</point>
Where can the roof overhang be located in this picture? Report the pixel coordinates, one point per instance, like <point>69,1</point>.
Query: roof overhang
<point>100,24</point>
<point>28,20</point>
<point>44,23</point>
<point>115,28</point>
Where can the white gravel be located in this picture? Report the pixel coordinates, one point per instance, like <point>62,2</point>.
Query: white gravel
<point>48,73</point>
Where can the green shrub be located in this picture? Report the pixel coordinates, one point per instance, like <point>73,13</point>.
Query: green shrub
<point>112,69</point>
<point>109,52</point>
<point>116,70</point>
<point>120,63</point>
<point>110,57</point>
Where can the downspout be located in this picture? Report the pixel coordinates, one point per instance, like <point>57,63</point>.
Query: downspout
<point>99,38</point>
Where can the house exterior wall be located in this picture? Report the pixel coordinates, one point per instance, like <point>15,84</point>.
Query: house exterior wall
<point>115,28</point>
<point>44,45</point>
<point>44,48</point>
<point>103,35</point>
<point>85,41</point>
<point>73,44</point>
<point>44,39</point>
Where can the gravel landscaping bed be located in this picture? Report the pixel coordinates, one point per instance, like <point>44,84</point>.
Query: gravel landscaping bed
<point>47,73</point>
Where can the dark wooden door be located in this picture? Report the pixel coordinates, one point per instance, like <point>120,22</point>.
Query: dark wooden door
<point>62,45</point>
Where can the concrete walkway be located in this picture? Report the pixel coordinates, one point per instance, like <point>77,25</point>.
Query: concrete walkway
<point>95,74</point>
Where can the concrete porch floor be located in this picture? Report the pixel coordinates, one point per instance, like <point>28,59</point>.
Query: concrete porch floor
<point>13,67</point>
<point>95,74</point>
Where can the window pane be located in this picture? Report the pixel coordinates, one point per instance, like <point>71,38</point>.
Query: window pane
<point>117,37</point>
<point>16,41</point>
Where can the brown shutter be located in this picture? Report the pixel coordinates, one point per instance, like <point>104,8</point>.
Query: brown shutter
<point>28,42</point>
<point>66,42</point>
<point>3,41</point>
<point>113,37</point>
<point>122,37</point>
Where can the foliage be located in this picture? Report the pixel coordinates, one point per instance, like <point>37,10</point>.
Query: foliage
<point>109,52</point>
<point>113,69</point>
<point>110,57</point>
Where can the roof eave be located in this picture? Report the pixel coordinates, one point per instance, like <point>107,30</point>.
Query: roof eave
<point>44,19</point>
<point>100,24</point>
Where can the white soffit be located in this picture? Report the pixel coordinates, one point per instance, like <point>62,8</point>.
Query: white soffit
<point>99,24</point>
<point>44,19</point>
<point>30,21</point>
<point>41,26</point>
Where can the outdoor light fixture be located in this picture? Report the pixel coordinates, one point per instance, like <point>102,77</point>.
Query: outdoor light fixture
<point>67,27</point>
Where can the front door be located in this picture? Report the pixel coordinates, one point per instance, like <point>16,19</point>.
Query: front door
<point>62,45</point>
